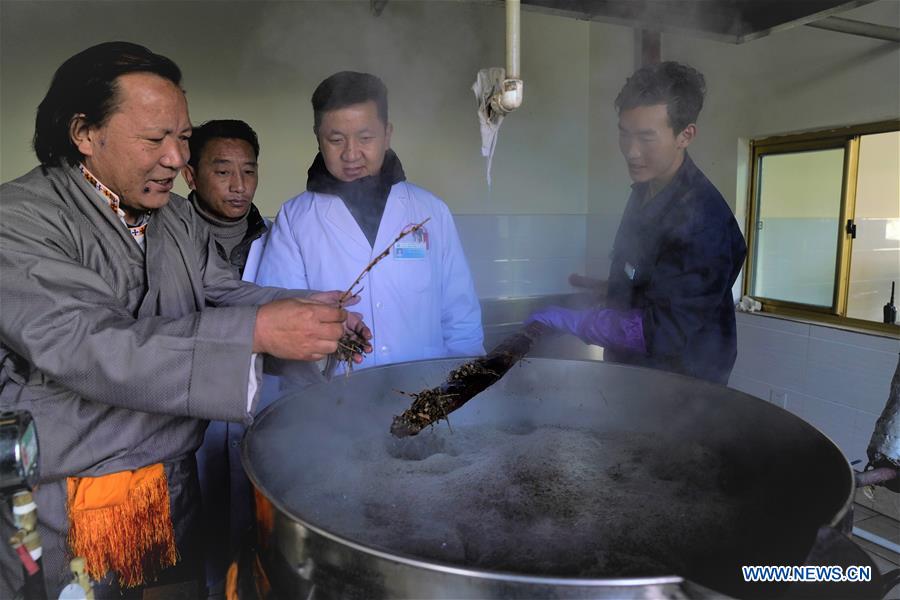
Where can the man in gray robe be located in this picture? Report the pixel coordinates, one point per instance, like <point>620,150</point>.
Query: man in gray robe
<point>121,329</point>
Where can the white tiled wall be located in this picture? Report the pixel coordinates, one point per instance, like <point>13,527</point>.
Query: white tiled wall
<point>602,227</point>
<point>836,380</point>
<point>522,255</point>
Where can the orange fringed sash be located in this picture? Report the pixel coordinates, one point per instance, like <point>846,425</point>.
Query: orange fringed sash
<point>121,522</point>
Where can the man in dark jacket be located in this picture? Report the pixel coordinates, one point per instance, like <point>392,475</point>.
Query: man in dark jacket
<point>223,172</point>
<point>678,250</point>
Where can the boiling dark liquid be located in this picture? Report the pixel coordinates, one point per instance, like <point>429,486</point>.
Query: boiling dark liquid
<point>537,501</point>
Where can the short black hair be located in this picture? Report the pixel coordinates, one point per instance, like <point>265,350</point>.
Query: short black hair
<point>229,129</point>
<point>347,88</point>
<point>680,87</point>
<point>86,84</point>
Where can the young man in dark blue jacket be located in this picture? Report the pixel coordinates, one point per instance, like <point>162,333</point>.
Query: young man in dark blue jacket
<point>678,250</point>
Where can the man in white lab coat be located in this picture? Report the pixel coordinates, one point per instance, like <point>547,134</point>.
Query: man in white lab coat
<point>419,301</point>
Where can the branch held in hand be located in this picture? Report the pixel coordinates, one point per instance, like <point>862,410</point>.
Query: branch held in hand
<point>375,260</point>
<point>352,343</point>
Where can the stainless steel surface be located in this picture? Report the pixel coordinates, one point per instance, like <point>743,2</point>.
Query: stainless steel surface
<point>312,565</point>
<point>19,460</point>
<point>782,457</point>
<point>861,28</point>
<point>503,317</point>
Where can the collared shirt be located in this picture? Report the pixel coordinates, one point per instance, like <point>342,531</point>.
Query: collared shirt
<point>138,229</point>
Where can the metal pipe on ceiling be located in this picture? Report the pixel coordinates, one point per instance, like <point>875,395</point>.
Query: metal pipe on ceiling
<point>509,98</point>
<point>513,29</point>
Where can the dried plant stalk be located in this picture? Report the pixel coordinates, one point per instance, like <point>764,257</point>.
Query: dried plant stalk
<point>352,342</point>
<point>375,260</point>
<point>464,383</point>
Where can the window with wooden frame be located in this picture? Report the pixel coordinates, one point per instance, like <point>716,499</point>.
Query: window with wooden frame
<point>824,225</point>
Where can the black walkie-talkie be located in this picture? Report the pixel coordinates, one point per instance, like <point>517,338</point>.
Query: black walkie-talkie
<point>890,311</point>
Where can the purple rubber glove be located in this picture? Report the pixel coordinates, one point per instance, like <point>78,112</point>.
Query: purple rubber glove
<point>601,326</point>
<point>558,318</point>
<point>619,329</point>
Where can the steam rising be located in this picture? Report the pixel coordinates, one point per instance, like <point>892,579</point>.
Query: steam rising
<point>547,501</point>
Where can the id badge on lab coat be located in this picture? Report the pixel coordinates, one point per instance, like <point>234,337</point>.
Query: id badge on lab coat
<point>409,250</point>
<point>412,247</point>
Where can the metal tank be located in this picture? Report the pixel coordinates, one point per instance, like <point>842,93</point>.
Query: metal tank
<point>347,511</point>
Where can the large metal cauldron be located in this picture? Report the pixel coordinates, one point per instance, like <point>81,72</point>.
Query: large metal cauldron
<point>310,453</point>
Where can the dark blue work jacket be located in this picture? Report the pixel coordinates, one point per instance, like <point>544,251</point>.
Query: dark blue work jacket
<point>676,257</point>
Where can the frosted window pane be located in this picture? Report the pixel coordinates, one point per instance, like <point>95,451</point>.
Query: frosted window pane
<point>798,214</point>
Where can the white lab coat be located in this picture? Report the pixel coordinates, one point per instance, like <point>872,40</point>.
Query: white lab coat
<point>417,308</point>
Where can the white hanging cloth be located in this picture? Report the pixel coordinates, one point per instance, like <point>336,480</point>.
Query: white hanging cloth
<point>488,83</point>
